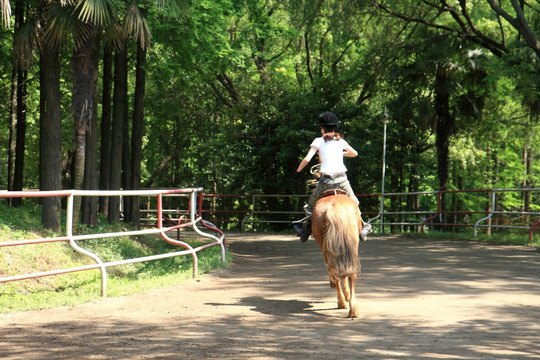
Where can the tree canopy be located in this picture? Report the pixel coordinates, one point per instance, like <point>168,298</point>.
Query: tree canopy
<point>232,90</point>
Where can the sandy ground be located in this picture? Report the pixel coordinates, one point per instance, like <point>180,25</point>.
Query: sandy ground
<point>420,299</point>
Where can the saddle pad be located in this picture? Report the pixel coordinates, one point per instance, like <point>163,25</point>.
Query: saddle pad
<point>332,192</point>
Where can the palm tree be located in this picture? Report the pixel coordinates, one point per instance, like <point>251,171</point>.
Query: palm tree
<point>138,111</point>
<point>87,18</point>
<point>122,159</point>
<point>50,163</point>
<point>84,75</point>
<point>25,43</point>
<point>18,111</point>
<point>82,21</point>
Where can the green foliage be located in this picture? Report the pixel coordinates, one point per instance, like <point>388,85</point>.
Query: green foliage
<point>233,89</point>
<point>248,135</point>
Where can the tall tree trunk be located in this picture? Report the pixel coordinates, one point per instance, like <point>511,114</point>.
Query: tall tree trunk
<point>21,134</point>
<point>106,101</point>
<point>528,157</point>
<point>528,164</point>
<point>137,132</point>
<point>90,204</point>
<point>413,200</point>
<point>444,123</point>
<point>119,100</point>
<point>15,75</point>
<point>12,126</point>
<point>126,160</point>
<point>50,155</point>
<point>13,101</point>
<point>84,74</point>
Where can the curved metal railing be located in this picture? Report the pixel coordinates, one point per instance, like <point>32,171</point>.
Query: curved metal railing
<point>195,201</point>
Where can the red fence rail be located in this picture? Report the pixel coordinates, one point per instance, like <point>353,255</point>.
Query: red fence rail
<point>486,209</point>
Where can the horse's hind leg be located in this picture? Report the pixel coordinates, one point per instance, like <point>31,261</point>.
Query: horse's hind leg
<point>353,306</point>
<point>346,289</point>
<point>342,303</point>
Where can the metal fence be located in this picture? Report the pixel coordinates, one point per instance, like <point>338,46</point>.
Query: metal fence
<point>479,209</point>
<point>190,219</point>
<point>171,210</point>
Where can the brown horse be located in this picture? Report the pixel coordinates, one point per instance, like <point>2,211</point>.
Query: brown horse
<point>336,226</point>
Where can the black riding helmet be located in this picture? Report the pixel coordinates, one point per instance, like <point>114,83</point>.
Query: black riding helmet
<point>328,120</point>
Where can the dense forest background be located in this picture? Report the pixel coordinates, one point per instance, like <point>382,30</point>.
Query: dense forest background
<point>224,94</point>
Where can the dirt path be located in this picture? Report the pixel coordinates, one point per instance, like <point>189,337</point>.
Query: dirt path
<point>420,300</point>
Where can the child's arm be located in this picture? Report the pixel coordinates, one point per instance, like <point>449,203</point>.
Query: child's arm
<point>307,159</point>
<point>350,152</point>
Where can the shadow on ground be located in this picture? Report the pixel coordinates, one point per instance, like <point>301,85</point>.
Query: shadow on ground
<point>420,299</point>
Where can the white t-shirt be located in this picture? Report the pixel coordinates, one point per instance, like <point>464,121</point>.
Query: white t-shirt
<point>331,152</point>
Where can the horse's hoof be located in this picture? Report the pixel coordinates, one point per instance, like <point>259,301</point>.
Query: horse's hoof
<point>353,313</point>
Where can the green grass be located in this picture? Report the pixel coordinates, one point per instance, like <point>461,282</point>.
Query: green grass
<point>85,286</point>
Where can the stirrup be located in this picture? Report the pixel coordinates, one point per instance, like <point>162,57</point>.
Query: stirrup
<point>301,220</point>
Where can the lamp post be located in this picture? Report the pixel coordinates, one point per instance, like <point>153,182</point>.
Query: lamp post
<point>381,209</point>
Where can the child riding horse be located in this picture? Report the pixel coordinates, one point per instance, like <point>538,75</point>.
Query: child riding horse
<point>332,148</point>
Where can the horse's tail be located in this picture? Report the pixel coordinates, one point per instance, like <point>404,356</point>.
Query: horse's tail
<point>341,242</point>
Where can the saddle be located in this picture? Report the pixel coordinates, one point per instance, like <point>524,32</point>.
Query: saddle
<point>332,192</point>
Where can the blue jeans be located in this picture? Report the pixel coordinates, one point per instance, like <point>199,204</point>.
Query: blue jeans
<point>324,184</point>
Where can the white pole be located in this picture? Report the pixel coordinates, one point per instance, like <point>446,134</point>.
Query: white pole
<point>381,211</point>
